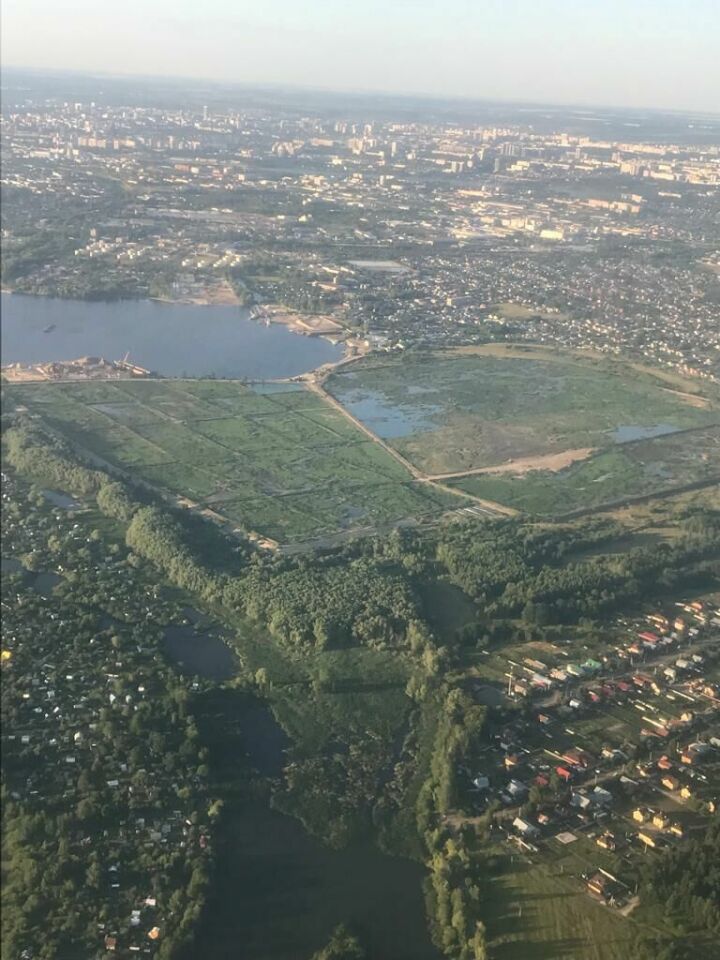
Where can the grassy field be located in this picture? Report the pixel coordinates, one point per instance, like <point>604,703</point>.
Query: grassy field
<point>628,470</point>
<point>456,412</point>
<point>275,459</point>
<point>541,914</point>
<point>539,430</point>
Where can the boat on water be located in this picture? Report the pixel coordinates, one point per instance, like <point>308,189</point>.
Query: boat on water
<point>49,328</point>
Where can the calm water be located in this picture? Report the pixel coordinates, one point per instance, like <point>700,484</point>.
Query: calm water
<point>169,338</point>
<point>280,892</point>
<point>42,582</point>
<point>635,431</point>
<point>386,418</point>
<point>61,500</point>
<point>201,652</point>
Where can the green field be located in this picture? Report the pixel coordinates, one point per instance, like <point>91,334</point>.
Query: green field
<point>276,459</point>
<point>528,412</point>
<point>449,412</point>
<point>537,912</point>
<point>629,470</point>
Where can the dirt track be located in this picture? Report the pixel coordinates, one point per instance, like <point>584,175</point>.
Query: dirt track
<point>487,505</point>
<point>546,461</point>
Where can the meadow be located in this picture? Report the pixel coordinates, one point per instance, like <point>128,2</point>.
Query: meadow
<point>638,469</point>
<point>274,459</point>
<point>541,431</point>
<point>457,411</point>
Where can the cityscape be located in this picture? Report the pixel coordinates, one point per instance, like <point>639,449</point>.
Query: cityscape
<point>400,232</point>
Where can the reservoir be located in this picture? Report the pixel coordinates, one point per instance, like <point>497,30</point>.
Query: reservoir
<point>173,339</point>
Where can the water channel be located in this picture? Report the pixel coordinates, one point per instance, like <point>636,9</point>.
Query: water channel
<point>173,339</point>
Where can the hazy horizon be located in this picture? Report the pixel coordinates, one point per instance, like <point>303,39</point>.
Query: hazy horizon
<point>653,56</point>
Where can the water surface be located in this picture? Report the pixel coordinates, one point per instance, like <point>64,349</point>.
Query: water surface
<point>280,893</point>
<point>385,418</point>
<point>172,339</point>
<point>636,431</point>
<point>61,500</point>
<point>200,651</point>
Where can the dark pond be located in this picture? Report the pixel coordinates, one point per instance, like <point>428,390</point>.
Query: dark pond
<point>170,338</point>
<point>283,893</point>
<point>43,582</point>
<point>279,891</point>
<point>200,651</point>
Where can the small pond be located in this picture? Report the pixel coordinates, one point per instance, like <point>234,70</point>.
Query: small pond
<point>387,419</point>
<point>635,431</point>
<point>61,500</point>
<point>200,651</point>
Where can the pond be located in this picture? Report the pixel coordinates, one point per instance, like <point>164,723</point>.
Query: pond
<point>635,431</point>
<point>172,339</point>
<point>61,500</point>
<point>279,892</point>
<point>200,651</point>
<point>45,582</point>
<point>42,582</point>
<point>386,418</point>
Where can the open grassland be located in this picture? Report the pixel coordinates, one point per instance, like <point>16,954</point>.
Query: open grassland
<point>539,430</point>
<point>542,914</point>
<point>637,469</point>
<point>274,459</point>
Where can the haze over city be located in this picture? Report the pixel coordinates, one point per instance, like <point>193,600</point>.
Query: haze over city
<point>643,53</point>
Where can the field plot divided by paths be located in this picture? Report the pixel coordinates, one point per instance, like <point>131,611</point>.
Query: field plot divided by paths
<point>277,459</point>
<point>539,431</point>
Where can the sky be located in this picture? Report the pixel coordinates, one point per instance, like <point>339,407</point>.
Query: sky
<point>636,53</point>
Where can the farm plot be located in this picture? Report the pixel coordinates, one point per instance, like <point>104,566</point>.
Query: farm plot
<point>283,463</point>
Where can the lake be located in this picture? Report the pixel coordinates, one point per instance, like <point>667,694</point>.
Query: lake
<point>173,339</point>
